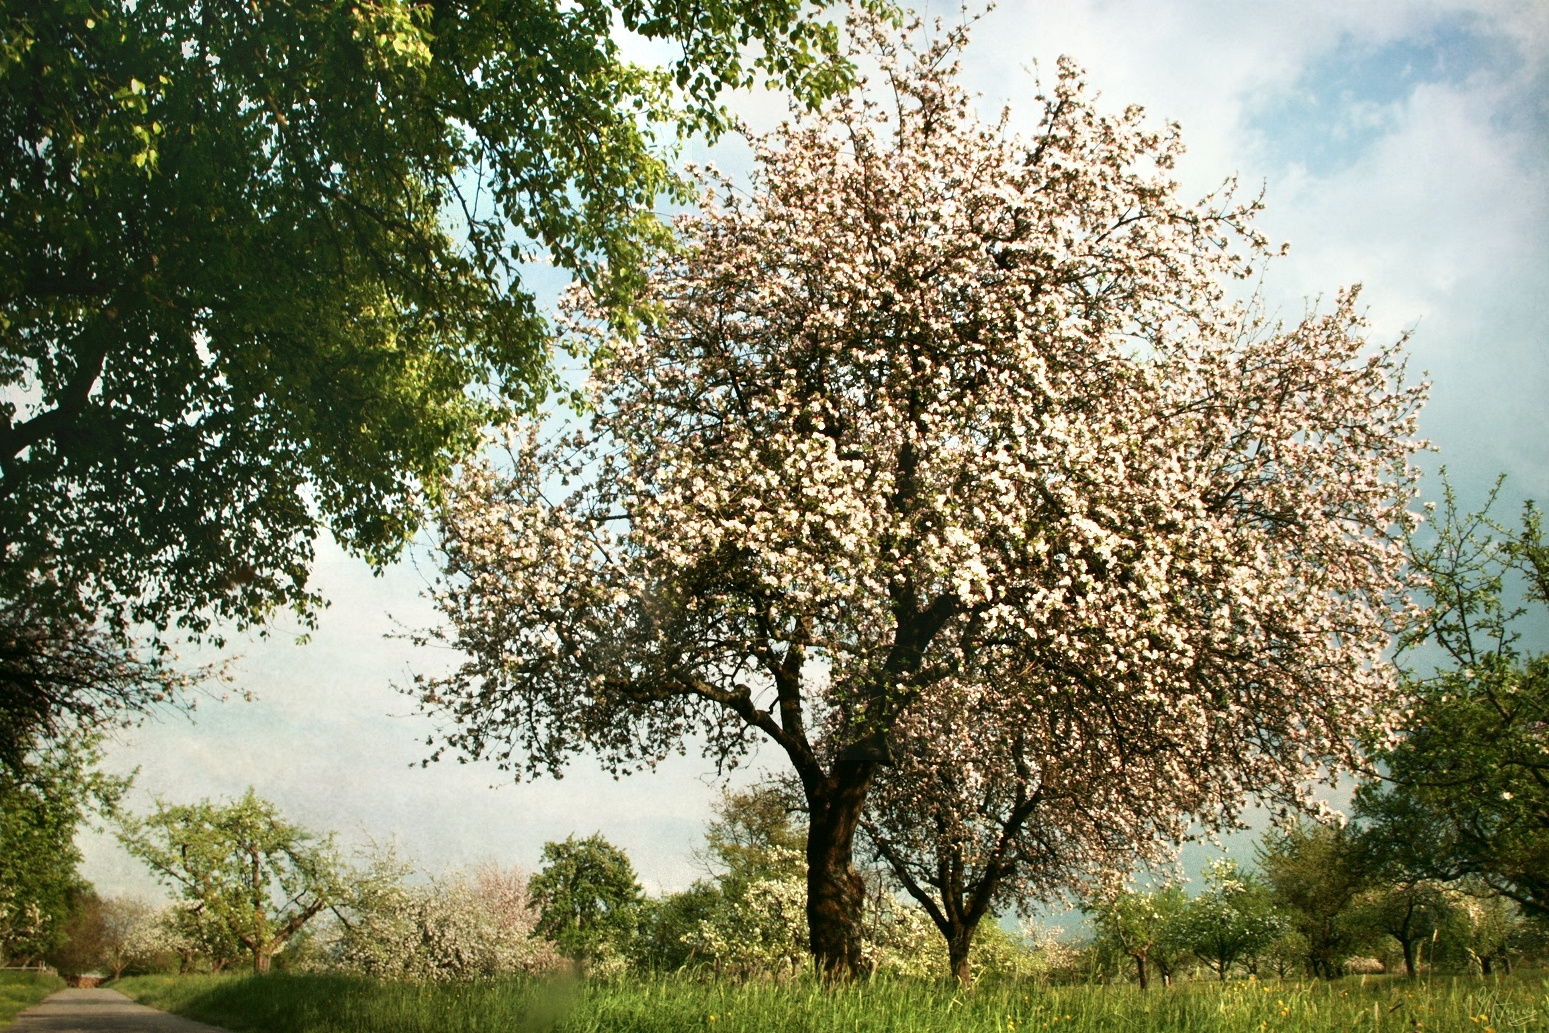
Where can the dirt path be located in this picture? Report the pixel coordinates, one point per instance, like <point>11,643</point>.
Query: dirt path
<point>100,1011</point>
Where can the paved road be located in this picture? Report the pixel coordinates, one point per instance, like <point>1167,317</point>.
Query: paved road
<point>101,1011</point>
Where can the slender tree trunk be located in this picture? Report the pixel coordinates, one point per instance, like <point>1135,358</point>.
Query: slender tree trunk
<point>1409,957</point>
<point>1484,964</point>
<point>1140,971</point>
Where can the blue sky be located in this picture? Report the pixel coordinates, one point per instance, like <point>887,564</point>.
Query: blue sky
<point>1401,145</point>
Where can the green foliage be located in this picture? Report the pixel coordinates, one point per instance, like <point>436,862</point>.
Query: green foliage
<point>81,948</point>
<point>42,803</point>
<point>1467,788</point>
<point>588,898</point>
<point>1408,912</point>
<point>324,1004</point>
<point>1145,926</point>
<point>249,880</point>
<point>20,990</point>
<point>1234,921</point>
<point>262,262</point>
<point>1315,873</point>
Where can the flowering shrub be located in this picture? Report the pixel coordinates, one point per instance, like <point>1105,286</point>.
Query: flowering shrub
<point>456,927</point>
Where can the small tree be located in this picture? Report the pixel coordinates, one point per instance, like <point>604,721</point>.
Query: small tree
<point>587,896</point>
<point>1410,912</point>
<point>244,872</point>
<point>1143,925</point>
<point>1315,873</point>
<point>1233,921</point>
<point>1466,792</point>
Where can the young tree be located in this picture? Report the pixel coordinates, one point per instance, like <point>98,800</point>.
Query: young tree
<point>456,927</point>
<point>1144,925</point>
<point>1316,872</point>
<point>996,800</point>
<point>1466,786</point>
<point>129,936</point>
<point>1410,912</point>
<point>246,875</point>
<point>587,897</point>
<point>1233,921</point>
<point>934,403</point>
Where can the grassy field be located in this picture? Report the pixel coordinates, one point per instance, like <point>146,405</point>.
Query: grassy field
<point>334,1004</point>
<point>20,990</point>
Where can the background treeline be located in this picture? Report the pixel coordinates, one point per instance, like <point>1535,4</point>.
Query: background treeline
<point>1319,900</point>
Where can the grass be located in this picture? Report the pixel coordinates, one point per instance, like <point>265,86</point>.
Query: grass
<point>20,990</point>
<point>282,1003</point>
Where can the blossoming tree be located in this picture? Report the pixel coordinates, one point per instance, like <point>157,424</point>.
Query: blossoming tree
<point>935,405</point>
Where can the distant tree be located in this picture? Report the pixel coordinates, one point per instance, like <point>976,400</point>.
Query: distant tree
<point>1315,873</point>
<point>1233,921</point>
<point>934,406</point>
<point>246,875</point>
<point>588,898</point>
<point>1142,925</point>
<point>1465,791</point>
<point>1410,912</point>
<point>1486,928</point>
<point>129,937</point>
<point>43,801</point>
<point>458,926</point>
<point>81,946</point>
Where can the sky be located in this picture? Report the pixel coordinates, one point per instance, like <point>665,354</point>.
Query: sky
<point>1400,145</point>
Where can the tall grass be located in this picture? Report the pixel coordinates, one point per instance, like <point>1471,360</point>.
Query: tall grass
<point>20,990</point>
<point>281,1003</point>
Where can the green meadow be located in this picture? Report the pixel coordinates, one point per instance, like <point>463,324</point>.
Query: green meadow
<point>286,1003</point>
<point>20,990</point>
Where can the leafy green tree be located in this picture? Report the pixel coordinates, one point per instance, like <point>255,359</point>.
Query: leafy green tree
<point>1144,926</point>
<point>43,801</point>
<point>1315,873</point>
<point>1234,921</point>
<point>82,947</point>
<point>1466,792</point>
<point>262,263</point>
<point>1410,912</point>
<point>587,897</point>
<point>246,875</point>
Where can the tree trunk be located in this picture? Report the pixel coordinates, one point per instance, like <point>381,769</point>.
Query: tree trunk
<point>1140,970</point>
<point>1409,957</point>
<point>260,962</point>
<point>959,946</point>
<point>1484,964</point>
<point>836,895</point>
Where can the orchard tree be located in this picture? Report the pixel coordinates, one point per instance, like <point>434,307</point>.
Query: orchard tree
<point>1144,925</point>
<point>1234,920</point>
<point>1465,788</point>
<point>245,874</point>
<point>995,801</point>
<point>587,897</point>
<point>1316,873</point>
<point>934,404</point>
<point>261,268</point>
<point>43,802</point>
